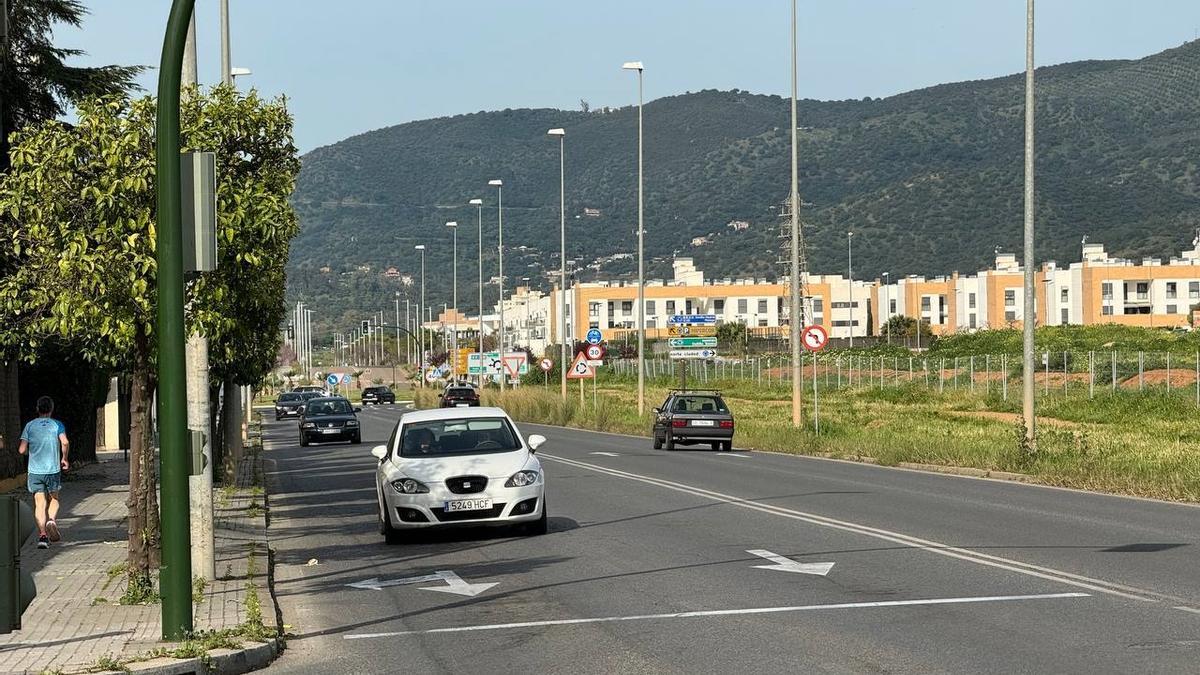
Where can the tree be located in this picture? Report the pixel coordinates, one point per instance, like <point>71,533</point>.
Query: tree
<point>77,232</point>
<point>901,326</point>
<point>734,335</point>
<point>357,374</point>
<point>37,84</point>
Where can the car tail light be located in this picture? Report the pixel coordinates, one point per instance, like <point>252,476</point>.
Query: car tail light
<point>726,424</point>
<point>679,423</point>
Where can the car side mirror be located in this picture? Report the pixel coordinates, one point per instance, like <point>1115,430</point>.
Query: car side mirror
<point>440,395</point>
<point>357,410</point>
<point>658,411</point>
<point>535,442</point>
<point>379,452</point>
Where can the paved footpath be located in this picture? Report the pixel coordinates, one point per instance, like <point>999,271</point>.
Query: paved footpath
<point>76,620</point>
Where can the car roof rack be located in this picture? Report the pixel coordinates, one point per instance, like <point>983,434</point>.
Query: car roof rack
<point>716,392</point>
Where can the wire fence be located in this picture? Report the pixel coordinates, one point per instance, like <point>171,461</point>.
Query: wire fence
<point>1069,372</point>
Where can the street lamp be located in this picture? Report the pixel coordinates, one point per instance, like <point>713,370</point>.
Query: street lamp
<point>637,65</point>
<point>421,333</point>
<point>850,273</point>
<point>479,203</point>
<point>499,185</point>
<point>797,308</point>
<point>1027,364</point>
<point>235,73</point>
<point>887,307</point>
<point>453,225</point>
<point>562,253</point>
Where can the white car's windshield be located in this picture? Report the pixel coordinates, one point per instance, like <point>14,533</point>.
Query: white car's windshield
<point>457,437</point>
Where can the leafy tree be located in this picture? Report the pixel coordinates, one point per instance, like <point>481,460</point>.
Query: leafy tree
<point>357,374</point>
<point>900,326</point>
<point>733,335</point>
<point>77,227</point>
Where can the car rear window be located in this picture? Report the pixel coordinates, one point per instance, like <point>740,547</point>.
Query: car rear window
<point>289,397</point>
<point>461,393</point>
<point>699,404</point>
<point>458,437</point>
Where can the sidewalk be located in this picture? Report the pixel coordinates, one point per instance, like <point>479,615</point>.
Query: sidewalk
<point>76,624</point>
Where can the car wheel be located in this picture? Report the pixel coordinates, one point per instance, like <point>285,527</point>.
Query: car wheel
<point>303,441</point>
<point>727,446</point>
<point>390,534</point>
<point>277,418</point>
<point>670,442</point>
<point>541,525</point>
<point>716,446</point>
<point>657,442</point>
<point>356,439</point>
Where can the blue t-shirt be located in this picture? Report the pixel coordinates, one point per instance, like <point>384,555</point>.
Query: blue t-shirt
<point>42,436</point>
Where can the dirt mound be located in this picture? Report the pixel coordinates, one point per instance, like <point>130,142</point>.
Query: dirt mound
<point>1179,378</point>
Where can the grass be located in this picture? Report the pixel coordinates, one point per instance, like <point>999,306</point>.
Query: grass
<point>1131,442</point>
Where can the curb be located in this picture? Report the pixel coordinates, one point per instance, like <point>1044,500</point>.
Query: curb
<point>220,661</point>
<point>968,471</point>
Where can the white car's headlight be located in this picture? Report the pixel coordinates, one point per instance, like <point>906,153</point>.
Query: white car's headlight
<point>408,486</point>
<point>522,478</point>
<point>351,423</point>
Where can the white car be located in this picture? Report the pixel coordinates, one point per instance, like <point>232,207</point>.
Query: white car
<point>455,467</point>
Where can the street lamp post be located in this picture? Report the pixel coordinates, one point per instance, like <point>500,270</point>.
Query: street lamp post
<point>850,273</point>
<point>637,65</point>
<point>499,185</point>
<point>1027,390</point>
<point>796,301</point>
<point>887,307</point>
<point>421,334</point>
<point>453,225</point>
<point>479,203</point>
<point>562,253</point>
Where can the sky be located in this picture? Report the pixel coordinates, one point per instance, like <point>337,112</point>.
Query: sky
<point>351,66</point>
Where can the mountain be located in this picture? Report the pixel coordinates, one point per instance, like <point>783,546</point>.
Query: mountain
<point>930,181</point>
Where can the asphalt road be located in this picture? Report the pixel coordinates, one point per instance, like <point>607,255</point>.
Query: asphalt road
<point>648,568</point>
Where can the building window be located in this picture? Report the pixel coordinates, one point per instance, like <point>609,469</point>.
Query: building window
<point>1194,290</point>
<point>818,305</point>
<point>925,303</point>
<point>971,300</point>
<point>670,307</point>
<point>971,319</point>
<point>742,305</point>
<point>1010,315</point>
<point>1106,310</point>
<point>762,306</point>
<point>1106,291</point>
<point>719,306</point>
<point>762,323</point>
<point>594,324</point>
<point>1172,309</point>
<point>1066,316</point>
<point>891,307</point>
<point>1010,298</point>
<point>649,307</point>
<point>688,309</point>
<point>611,307</point>
<point>844,324</point>
<point>1171,290</point>
<point>1143,290</point>
<point>627,307</point>
<point>593,309</point>
<point>1063,296</point>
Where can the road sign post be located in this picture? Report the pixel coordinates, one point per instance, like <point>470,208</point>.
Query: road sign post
<point>814,338</point>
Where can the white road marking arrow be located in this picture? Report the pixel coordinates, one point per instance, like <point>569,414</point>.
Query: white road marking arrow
<point>454,584</point>
<point>605,454</point>
<point>457,586</point>
<point>783,564</point>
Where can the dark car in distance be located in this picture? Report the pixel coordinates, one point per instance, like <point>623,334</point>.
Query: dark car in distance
<point>291,403</point>
<point>378,396</point>
<point>459,397</point>
<point>691,418</point>
<point>329,418</point>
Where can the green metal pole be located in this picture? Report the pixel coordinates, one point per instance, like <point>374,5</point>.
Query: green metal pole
<point>175,575</point>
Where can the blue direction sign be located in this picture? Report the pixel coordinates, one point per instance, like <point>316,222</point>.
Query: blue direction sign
<point>346,379</point>
<point>332,379</point>
<point>594,336</point>
<point>692,319</point>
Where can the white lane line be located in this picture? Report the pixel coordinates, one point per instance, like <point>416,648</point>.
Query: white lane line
<point>605,454</point>
<point>1192,610</point>
<point>719,612</point>
<point>1027,569</point>
<point>732,455</point>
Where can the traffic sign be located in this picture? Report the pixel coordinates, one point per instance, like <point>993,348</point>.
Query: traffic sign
<point>814,338</point>
<point>691,331</point>
<point>693,342</point>
<point>431,375</point>
<point>345,378</point>
<point>332,379</point>
<point>512,363</point>
<point>594,352</point>
<point>461,364</point>
<point>546,365</point>
<point>693,353</point>
<point>580,370</point>
<point>594,336</point>
<point>692,319</point>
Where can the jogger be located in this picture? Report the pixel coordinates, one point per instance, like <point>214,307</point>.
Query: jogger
<point>45,439</point>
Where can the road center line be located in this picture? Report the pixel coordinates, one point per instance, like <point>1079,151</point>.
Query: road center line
<point>718,612</point>
<point>1027,569</point>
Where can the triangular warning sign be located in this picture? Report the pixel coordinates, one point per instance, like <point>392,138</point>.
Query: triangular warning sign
<point>580,370</point>
<point>513,364</point>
